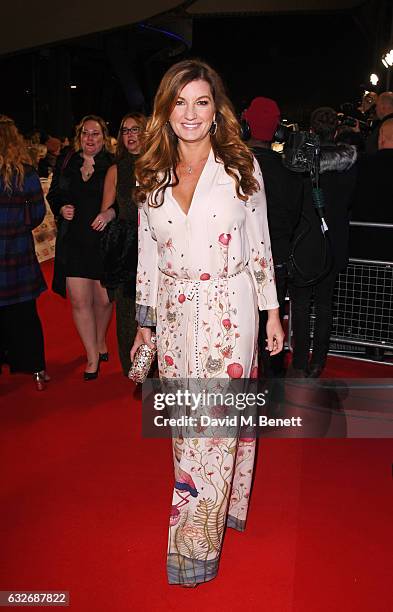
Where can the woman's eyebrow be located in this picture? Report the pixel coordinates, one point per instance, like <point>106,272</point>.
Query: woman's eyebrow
<point>198,98</point>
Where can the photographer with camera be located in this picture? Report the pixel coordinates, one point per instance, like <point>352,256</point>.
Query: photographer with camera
<point>320,245</point>
<point>367,106</point>
<point>355,123</point>
<point>351,131</point>
<point>284,195</point>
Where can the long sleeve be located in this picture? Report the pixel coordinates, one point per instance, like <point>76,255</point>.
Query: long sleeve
<point>147,273</point>
<point>261,261</point>
<point>57,196</point>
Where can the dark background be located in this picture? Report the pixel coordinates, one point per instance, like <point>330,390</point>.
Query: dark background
<point>301,60</point>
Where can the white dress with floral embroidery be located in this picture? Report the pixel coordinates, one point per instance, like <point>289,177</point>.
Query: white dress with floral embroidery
<point>205,274</point>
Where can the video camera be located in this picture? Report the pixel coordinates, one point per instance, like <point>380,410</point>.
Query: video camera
<point>301,153</point>
<point>301,149</point>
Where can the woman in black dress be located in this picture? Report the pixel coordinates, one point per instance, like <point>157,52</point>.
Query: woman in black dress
<point>75,198</point>
<point>119,183</point>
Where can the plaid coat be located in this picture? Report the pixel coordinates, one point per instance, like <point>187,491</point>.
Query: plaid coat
<point>21,278</point>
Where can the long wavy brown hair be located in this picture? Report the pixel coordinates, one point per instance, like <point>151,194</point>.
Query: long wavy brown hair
<point>140,120</point>
<point>14,155</point>
<point>104,128</point>
<point>153,169</point>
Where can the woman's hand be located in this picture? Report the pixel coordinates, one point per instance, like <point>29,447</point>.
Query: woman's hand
<point>102,219</point>
<point>274,332</point>
<point>67,211</point>
<point>143,336</point>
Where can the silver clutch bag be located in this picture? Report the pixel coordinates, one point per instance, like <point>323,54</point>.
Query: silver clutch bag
<point>143,360</point>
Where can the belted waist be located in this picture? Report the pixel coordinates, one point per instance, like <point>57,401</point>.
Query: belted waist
<point>192,285</point>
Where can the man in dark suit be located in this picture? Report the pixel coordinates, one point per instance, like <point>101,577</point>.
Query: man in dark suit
<point>284,194</point>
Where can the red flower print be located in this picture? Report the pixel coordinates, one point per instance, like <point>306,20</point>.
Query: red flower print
<point>227,324</point>
<point>169,245</point>
<point>226,352</point>
<point>263,262</point>
<point>204,276</point>
<point>181,298</point>
<point>168,360</point>
<point>235,370</point>
<point>224,239</point>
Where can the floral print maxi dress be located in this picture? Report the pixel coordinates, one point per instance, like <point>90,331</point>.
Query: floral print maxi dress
<point>204,275</point>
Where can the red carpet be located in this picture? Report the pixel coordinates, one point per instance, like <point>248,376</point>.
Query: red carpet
<point>85,502</point>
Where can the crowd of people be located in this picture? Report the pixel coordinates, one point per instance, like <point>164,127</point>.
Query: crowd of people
<point>93,186</point>
<point>218,219</point>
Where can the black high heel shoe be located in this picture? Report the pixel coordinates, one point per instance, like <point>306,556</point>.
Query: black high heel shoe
<point>103,356</point>
<point>92,375</point>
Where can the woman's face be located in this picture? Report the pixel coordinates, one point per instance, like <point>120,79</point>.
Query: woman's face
<point>194,112</point>
<point>130,133</point>
<point>92,138</point>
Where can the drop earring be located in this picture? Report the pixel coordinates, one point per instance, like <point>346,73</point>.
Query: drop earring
<point>213,128</point>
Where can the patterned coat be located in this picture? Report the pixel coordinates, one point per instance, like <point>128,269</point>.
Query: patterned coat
<point>21,278</point>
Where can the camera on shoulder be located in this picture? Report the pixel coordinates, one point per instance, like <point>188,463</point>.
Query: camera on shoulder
<point>301,149</point>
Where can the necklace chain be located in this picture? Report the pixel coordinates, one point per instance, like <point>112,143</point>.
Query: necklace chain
<point>189,167</point>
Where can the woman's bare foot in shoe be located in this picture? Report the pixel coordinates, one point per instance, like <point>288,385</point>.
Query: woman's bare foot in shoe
<point>92,365</point>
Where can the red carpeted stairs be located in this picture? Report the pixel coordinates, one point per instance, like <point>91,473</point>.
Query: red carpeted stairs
<point>85,501</point>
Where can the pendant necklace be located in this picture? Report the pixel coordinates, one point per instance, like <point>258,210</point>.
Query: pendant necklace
<point>87,171</point>
<point>189,166</point>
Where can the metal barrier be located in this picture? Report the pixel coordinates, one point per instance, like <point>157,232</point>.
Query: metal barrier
<point>362,306</point>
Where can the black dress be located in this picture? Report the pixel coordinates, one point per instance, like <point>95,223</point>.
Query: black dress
<point>80,248</point>
<point>125,293</point>
<point>83,254</point>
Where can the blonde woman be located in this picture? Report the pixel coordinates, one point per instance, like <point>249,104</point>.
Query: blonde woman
<point>22,208</point>
<point>75,198</point>
<point>204,268</point>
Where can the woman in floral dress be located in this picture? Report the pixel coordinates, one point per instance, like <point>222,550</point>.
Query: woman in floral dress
<point>204,268</point>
